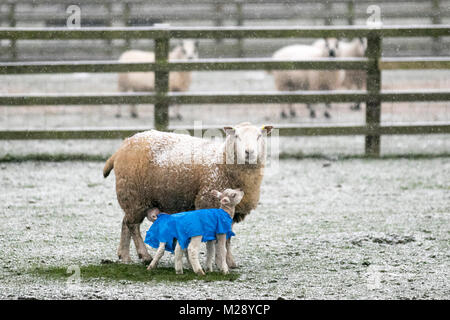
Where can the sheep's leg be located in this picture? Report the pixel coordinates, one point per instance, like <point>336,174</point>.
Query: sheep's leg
<point>326,113</point>
<point>356,106</point>
<point>139,243</point>
<point>178,259</point>
<point>124,246</point>
<point>119,111</point>
<point>283,113</point>
<point>176,112</point>
<point>210,253</point>
<point>158,256</point>
<point>193,250</point>
<point>221,254</point>
<point>292,112</point>
<point>312,112</point>
<point>230,259</point>
<point>133,111</point>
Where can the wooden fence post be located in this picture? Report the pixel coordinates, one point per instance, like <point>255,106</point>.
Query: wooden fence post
<point>12,24</point>
<point>373,104</point>
<point>351,12</point>
<point>436,19</point>
<point>162,81</point>
<point>218,8</point>
<point>239,23</point>
<point>126,22</point>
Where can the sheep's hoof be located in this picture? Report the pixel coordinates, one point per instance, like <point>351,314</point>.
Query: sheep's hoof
<point>312,114</point>
<point>292,113</point>
<point>327,115</point>
<point>134,115</point>
<point>179,117</point>
<point>118,115</point>
<point>355,107</point>
<point>283,115</point>
<point>125,259</point>
<point>179,271</point>
<point>200,272</point>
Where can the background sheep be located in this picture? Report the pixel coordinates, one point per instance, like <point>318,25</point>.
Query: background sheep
<point>145,81</point>
<point>175,173</point>
<point>292,80</point>
<point>353,79</point>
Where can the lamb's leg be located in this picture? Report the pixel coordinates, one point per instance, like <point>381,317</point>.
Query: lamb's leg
<point>193,250</point>
<point>230,259</point>
<point>158,256</point>
<point>139,243</point>
<point>124,247</point>
<point>178,259</point>
<point>221,261</point>
<point>210,253</point>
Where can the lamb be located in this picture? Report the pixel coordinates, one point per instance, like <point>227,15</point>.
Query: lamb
<point>353,78</point>
<point>145,81</point>
<point>291,80</point>
<point>192,227</point>
<point>175,173</point>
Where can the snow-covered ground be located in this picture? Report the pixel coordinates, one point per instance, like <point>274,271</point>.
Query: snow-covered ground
<point>351,229</point>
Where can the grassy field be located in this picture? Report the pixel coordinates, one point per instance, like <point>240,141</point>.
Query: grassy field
<point>350,229</point>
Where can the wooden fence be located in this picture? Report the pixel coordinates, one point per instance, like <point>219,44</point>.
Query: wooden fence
<point>162,98</point>
<point>107,13</point>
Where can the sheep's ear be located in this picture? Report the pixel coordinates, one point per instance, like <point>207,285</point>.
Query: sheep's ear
<point>225,200</point>
<point>229,130</point>
<point>216,193</point>
<point>267,128</point>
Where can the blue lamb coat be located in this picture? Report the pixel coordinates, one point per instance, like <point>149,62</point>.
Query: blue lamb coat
<point>185,225</point>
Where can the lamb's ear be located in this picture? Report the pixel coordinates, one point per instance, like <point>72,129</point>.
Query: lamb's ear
<point>267,128</point>
<point>225,200</point>
<point>216,193</point>
<point>229,130</point>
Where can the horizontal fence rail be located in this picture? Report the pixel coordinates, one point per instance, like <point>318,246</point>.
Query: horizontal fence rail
<point>373,64</point>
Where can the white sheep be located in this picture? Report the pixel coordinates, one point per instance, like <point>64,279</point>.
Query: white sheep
<point>175,173</point>
<point>292,80</point>
<point>352,79</point>
<point>212,226</point>
<point>145,81</point>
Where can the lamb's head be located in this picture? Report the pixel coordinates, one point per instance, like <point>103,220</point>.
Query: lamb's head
<point>187,49</point>
<point>229,199</point>
<point>245,144</point>
<point>329,46</point>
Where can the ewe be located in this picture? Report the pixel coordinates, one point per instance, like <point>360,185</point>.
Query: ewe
<point>175,173</point>
<point>145,81</point>
<point>292,80</point>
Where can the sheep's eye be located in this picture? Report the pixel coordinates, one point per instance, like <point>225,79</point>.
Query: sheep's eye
<point>237,137</point>
<point>233,195</point>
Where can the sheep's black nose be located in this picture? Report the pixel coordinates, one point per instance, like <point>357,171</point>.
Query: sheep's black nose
<point>332,53</point>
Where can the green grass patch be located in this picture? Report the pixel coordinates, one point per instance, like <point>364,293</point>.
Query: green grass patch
<point>129,272</point>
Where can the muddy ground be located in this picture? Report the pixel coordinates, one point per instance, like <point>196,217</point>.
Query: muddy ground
<point>352,229</point>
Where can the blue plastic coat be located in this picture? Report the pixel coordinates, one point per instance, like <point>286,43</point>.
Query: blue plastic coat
<point>185,225</point>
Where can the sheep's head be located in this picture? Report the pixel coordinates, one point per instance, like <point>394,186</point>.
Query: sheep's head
<point>189,49</point>
<point>229,199</point>
<point>245,144</point>
<point>330,46</point>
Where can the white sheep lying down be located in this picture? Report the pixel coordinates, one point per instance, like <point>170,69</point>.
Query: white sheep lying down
<point>176,173</point>
<point>293,80</point>
<point>145,81</point>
